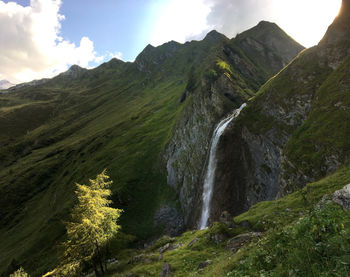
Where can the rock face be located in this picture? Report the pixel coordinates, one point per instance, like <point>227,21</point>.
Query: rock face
<point>151,57</point>
<point>170,218</point>
<point>204,264</point>
<point>237,242</point>
<point>187,150</point>
<point>166,270</point>
<point>186,153</point>
<point>275,146</point>
<point>342,197</point>
<point>340,29</point>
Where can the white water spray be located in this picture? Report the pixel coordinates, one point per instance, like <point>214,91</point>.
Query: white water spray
<point>208,186</point>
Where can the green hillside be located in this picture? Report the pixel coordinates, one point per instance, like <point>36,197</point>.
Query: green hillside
<point>292,236</point>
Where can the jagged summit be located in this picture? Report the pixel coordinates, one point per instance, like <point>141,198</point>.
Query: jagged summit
<point>155,55</point>
<point>74,72</point>
<point>271,35</point>
<point>215,36</point>
<point>339,30</point>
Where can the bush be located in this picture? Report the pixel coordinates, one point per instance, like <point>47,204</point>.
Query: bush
<point>316,245</point>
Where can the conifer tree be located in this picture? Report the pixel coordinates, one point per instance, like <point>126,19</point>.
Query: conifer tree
<point>93,224</point>
<point>19,273</point>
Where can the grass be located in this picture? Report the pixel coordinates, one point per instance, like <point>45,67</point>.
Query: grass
<point>298,240</point>
<point>324,133</point>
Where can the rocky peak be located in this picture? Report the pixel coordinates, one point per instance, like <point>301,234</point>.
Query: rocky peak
<point>214,36</point>
<point>340,29</point>
<point>151,55</point>
<point>73,73</point>
<point>271,35</point>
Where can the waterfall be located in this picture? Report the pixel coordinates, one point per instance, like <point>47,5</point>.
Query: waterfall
<point>208,186</point>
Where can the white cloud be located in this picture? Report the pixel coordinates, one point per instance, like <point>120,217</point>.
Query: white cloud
<point>117,55</point>
<point>30,43</point>
<point>182,20</point>
<point>179,20</point>
<point>305,20</point>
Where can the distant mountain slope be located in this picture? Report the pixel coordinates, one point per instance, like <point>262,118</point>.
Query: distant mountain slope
<point>295,130</point>
<point>143,121</point>
<point>4,84</point>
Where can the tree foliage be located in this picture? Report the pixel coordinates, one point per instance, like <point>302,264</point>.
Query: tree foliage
<point>19,273</point>
<point>93,224</point>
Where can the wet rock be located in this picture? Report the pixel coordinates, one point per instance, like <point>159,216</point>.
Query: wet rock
<point>218,238</point>
<point>237,242</point>
<point>245,224</point>
<point>164,248</point>
<point>112,261</point>
<point>175,246</point>
<point>192,242</point>
<point>204,264</point>
<point>166,270</point>
<point>226,218</point>
<point>342,197</point>
<point>171,219</point>
<point>136,259</point>
<point>160,257</point>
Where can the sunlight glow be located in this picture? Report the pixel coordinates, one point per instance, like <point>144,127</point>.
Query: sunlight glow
<point>306,20</point>
<point>179,20</point>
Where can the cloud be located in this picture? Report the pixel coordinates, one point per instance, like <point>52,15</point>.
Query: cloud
<point>184,20</point>
<point>30,43</point>
<point>117,55</point>
<point>233,16</point>
<point>179,20</point>
<point>306,21</point>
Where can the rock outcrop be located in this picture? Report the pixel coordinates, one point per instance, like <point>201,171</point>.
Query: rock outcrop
<point>274,147</point>
<point>342,197</point>
<point>232,82</point>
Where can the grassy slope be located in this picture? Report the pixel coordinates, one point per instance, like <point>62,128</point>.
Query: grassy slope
<point>123,133</point>
<point>58,134</point>
<point>325,132</point>
<point>277,219</point>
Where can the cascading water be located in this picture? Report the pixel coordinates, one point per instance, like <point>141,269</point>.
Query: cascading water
<point>208,186</point>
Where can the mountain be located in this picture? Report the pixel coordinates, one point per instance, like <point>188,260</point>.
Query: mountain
<point>148,122</point>
<point>282,168</point>
<point>4,84</point>
<point>294,131</point>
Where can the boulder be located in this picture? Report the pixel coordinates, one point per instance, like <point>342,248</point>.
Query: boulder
<point>166,270</point>
<point>164,248</point>
<point>237,242</point>
<point>192,242</point>
<point>204,264</point>
<point>218,238</point>
<point>342,197</point>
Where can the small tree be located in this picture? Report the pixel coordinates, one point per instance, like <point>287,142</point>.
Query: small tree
<point>93,224</point>
<point>19,273</point>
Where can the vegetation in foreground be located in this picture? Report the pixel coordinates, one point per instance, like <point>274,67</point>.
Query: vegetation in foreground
<point>298,235</point>
<point>93,225</point>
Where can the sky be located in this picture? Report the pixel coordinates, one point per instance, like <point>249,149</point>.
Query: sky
<point>41,38</point>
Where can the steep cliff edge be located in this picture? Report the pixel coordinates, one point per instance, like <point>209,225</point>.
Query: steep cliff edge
<point>235,71</point>
<point>294,131</point>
